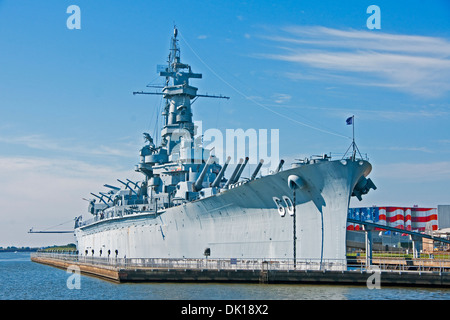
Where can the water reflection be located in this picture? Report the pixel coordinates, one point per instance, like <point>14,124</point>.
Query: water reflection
<point>22,279</point>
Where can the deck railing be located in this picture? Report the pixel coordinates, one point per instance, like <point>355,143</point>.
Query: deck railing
<point>200,263</point>
<point>384,264</point>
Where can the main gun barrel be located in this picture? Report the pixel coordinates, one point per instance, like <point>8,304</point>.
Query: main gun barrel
<point>238,175</point>
<point>258,167</point>
<point>198,185</point>
<point>280,165</point>
<point>236,170</point>
<point>221,173</point>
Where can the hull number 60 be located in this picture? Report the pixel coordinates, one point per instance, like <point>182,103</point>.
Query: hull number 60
<point>284,205</point>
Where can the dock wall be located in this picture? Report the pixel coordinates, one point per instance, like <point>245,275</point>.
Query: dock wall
<point>101,271</point>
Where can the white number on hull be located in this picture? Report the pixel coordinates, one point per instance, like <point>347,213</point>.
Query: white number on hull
<point>288,205</point>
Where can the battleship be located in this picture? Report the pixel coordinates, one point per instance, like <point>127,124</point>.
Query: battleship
<point>186,208</point>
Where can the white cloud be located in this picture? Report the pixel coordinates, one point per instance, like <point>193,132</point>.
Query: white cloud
<point>282,98</point>
<point>423,172</point>
<point>369,40</point>
<point>409,63</point>
<point>44,192</point>
<point>41,142</point>
<point>418,149</point>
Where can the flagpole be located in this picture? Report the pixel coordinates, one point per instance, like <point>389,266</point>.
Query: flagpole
<point>353,122</point>
<point>353,143</point>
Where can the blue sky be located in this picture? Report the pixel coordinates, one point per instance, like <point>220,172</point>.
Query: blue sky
<point>69,122</point>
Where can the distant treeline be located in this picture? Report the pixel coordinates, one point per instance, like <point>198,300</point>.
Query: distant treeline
<point>67,247</point>
<point>14,249</point>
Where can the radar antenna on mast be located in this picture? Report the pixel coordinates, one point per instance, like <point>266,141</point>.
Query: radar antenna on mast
<point>172,70</point>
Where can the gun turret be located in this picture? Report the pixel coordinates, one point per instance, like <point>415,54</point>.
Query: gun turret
<point>106,195</point>
<point>134,183</point>
<point>221,174</point>
<point>198,185</point>
<point>127,186</point>
<point>258,167</point>
<point>101,198</point>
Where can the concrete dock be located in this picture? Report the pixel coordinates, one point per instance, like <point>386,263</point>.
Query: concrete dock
<point>178,273</point>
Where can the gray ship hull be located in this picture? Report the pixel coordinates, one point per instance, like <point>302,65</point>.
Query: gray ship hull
<point>243,222</point>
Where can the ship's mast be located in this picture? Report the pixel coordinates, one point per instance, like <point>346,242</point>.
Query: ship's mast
<point>179,95</point>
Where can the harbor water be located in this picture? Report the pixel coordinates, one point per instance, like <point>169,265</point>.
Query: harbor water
<point>21,279</point>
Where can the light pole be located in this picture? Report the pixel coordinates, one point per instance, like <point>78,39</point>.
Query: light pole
<point>294,216</point>
<point>295,182</point>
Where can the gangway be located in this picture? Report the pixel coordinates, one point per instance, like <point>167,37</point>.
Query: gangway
<point>370,226</point>
<point>56,231</point>
<point>413,233</point>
